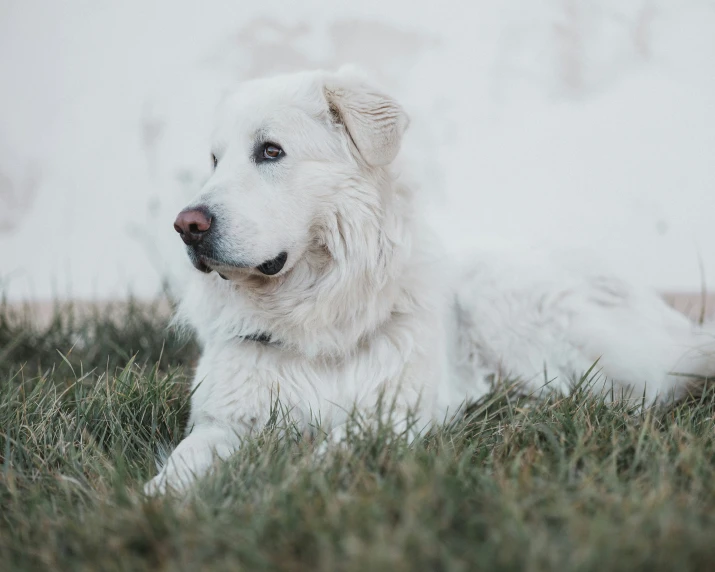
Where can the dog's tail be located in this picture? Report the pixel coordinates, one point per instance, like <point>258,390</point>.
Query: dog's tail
<point>643,343</point>
<point>694,370</point>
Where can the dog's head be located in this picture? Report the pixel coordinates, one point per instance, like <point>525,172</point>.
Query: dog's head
<point>287,154</point>
<point>301,216</point>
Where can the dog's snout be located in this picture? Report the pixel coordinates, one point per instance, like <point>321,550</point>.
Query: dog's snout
<point>192,224</point>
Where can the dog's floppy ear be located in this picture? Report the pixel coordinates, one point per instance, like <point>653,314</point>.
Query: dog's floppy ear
<point>374,121</point>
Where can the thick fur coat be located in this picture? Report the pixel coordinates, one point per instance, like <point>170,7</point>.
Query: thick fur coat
<point>318,284</point>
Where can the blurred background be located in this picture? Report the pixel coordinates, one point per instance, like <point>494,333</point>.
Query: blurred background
<point>587,124</point>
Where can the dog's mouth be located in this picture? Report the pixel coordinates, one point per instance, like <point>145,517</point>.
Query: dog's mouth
<point>274,265</point>
<point>207,265</point>
<point>200,265</point>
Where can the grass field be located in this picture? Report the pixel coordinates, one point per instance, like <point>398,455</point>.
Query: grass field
<point>568,483</point>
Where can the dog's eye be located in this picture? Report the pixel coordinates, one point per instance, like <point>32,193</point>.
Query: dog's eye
<point>214,160</point>
<point>271,151</point>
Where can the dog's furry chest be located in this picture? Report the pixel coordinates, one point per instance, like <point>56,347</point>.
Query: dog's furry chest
<point>236,376</point>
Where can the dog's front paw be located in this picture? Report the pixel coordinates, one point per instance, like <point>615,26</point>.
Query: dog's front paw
<point>170,480</point>
<point>156,486</point>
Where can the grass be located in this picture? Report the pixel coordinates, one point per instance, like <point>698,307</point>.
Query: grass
<point>568,483</point>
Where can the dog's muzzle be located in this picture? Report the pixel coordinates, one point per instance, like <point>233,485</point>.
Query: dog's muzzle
<point>193,226</point>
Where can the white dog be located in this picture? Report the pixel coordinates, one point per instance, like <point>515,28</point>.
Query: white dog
<point>320,285</point>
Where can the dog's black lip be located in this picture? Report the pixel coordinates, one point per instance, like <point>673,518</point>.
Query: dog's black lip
<point>207,265</point>
<point>200,265</point>
<point>274,265</point>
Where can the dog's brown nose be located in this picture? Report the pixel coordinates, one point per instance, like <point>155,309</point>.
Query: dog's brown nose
<point>191,224</point>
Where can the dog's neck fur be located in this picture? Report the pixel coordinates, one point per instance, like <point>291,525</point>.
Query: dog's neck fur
<point>365,267</point>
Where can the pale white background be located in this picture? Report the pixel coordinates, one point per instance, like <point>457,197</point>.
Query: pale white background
<point>587,124</point>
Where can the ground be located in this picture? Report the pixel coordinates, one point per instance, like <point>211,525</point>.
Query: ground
<point>567,483</point>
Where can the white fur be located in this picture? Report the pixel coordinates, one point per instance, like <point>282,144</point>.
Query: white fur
<point>366,304</point>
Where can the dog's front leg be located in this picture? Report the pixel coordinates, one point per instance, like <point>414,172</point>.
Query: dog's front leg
<point>193,458</point>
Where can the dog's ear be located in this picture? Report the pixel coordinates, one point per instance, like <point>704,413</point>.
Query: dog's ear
<point>374,121</point>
